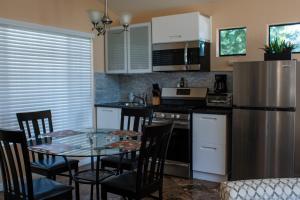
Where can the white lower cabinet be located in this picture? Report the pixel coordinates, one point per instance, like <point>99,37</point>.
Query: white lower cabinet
<point>109,118</point>
<point>209,147</point>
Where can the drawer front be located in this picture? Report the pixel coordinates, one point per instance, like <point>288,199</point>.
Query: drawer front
<point>209,158</point>
<point>210,129</point>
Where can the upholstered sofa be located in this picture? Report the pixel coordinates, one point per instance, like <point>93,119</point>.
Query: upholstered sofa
<point>261,189</point>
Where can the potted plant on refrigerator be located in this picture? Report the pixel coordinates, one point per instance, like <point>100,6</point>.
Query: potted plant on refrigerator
<point>279,50</point>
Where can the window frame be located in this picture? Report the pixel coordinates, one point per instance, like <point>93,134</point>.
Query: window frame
<point>226,29</point>
<point>281,24</point>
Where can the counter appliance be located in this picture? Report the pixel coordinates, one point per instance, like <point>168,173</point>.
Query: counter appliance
<point>220,85</point>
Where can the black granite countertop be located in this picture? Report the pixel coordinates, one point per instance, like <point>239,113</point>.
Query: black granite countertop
<point>206,110</point>
<point>111,105</point>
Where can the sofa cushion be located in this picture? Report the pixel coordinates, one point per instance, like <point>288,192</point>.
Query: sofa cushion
<point>279,188</point>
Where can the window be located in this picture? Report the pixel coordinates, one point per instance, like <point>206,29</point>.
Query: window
<point>232,42</point>
<point>287,32</point>
<point>42,69</point>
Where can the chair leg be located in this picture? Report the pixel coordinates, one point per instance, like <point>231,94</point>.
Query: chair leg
<point>92,192</point>
<point>49,176</point>
<point>103,194</point>
<point>69,196</point>
<point>77,190</point>
<point>97,192</point>
<point>71,178</point>
<point>160,193</point>
<point>102,166</point>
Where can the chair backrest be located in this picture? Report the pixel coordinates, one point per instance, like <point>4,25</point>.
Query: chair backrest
<point>15,165</point>
<point>139,115</point>
<point>153,152</point>
<point>36,123</point>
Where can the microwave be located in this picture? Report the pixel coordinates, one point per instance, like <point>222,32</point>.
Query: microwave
<point>181,56</point>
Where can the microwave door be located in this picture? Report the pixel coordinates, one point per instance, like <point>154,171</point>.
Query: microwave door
<point>183,56</point>
<point>168,60</point>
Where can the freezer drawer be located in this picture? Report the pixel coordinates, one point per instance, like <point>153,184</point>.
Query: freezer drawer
<point>265,84</point>
<point>210,144</point>
<point>210,158</point>
<point>210,129</point>
<point>262,144</point>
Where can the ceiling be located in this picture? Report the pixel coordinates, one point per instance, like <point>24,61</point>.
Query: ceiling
<point>138,6</point>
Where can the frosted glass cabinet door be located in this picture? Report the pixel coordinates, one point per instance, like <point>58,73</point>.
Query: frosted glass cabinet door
<point>116,51</point>
<point>139,48</point>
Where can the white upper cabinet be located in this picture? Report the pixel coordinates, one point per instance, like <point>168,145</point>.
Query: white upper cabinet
<point>129,51</point>
<point>180,28</point>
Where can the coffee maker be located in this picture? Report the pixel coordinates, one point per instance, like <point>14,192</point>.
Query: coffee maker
<point>220,85</point>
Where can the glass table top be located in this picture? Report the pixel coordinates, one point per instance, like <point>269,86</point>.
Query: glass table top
<point>86,143</point>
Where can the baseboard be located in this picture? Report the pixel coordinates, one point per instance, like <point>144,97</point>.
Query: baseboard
<point>209,177</point>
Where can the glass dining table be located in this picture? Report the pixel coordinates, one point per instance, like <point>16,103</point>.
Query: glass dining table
<point>94,143</point>
<point>86,143</point>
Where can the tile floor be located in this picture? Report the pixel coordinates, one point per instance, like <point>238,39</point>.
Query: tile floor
<point>174,189</point>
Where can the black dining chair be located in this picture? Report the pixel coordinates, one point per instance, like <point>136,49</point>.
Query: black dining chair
<point>17,174</point>
<point>48,166</point>
<point>131,119</point>
<point>149,175</point>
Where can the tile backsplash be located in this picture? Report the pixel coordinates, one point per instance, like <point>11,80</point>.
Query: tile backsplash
<point>113,88</point>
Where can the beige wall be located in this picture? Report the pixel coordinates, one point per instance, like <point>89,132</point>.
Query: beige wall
<point>254,14</point>
<point>68,14</point>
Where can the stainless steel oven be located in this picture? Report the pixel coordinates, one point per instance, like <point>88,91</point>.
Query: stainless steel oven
<point>179,156</point>
<point>176,105</point>
<point>181,56</point>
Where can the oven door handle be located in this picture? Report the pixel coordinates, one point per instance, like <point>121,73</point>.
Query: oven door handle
<point>184,125</point>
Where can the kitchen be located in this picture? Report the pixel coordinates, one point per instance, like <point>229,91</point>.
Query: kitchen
<point>198,95</point>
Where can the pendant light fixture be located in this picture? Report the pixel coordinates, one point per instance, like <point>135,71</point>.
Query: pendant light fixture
<point>125,20</point>
<point>99,20</point>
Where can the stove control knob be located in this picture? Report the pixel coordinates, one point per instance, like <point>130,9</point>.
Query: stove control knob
<point>162,115</point>
<point>172,116</point>
<point>177,116</point>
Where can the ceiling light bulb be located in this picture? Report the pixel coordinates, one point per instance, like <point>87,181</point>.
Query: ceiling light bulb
<point>125,19</point>
<point>95,16</point>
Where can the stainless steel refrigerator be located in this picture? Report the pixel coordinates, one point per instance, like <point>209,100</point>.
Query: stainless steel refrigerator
<point>265,125</point>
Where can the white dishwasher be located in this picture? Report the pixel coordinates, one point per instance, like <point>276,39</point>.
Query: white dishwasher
<point>209,151</point>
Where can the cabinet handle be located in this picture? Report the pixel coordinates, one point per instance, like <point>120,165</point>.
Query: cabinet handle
<point>212,148</point>
<point>175,36</point>
<point>209,118</point>
<point>107,110</point>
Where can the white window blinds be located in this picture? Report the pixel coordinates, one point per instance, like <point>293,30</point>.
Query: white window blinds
<point>41,70</point>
